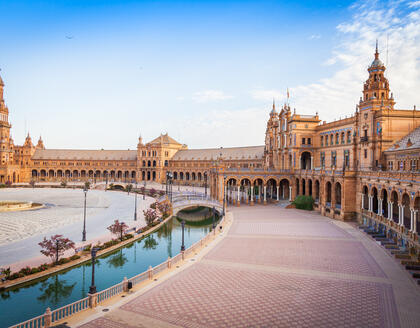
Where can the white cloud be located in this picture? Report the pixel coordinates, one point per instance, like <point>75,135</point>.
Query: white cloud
<point>338,94</point>
<point>210,95</point>
<point>314,37</point>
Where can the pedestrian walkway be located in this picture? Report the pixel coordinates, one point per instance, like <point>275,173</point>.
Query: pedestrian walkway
<point>279,267</point>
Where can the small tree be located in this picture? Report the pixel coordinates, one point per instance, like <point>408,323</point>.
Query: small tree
<point>55,246</point>
<point>165,208</point>
<point>118,228</point>
<point>32,183</point>
<point>6,272</point>
<point>128,188</point>
<point>150,215</point>
<point>87,185</point>
<point>152,192</point>
<point>161,193</point>
<point>64,183</point>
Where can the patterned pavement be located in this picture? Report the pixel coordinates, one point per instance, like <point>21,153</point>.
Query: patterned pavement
<point>263,274</point>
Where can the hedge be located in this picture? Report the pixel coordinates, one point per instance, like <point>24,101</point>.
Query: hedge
<point>304,202</point>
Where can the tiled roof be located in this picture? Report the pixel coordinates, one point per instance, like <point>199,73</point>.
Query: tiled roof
<point>164,139</point>
<point>235,153</point>
<point>75,154</point>
<point>410,141</point>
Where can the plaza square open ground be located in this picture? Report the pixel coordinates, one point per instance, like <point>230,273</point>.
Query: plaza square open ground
<point>21,231</point>
<point>277,267</point>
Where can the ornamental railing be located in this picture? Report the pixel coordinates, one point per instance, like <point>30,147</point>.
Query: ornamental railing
<point>49,317</point>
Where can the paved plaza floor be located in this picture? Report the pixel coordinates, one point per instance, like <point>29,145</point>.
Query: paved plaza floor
<point>278,267</point>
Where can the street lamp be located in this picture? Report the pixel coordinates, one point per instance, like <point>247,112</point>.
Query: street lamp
<point>92,288</point>
<point>214,214</point>
<point>135,203</point>
<point>183,227</point>
<point>224,194</point>
<point>85,190</point>
<point>169,177</point>
<point>144,193</point>
<point>205,184</point>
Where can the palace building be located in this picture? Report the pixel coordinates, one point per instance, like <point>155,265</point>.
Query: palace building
<point>363,167</point>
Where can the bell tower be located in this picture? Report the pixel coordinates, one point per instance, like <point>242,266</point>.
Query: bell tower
<point>6,144</point>
<point>376,93</point>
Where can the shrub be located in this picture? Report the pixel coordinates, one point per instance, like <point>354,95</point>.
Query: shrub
<point>74,257</point>
<point>25,271</point>
<point>304,202</point>
<point>34,270</point>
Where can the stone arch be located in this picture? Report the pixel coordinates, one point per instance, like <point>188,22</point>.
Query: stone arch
<point>310,187</point>
<point>175,175</point>
<point>133,174</point>
<point>365,198</point>
<point>154,175</point>
<point>187,176</point>
<point>154,163</point>
<point>303,187</point>
<point>51,174</point>
<point>272,188</point>
<point>328,192</point>
<point>316,191</point>
<point>394,206</point>
<point>112,174</point>
<point>384,200</point>
<point>97,174</point>
<point>90,173</point>
<point>305,160</point>
<point>149,163</point>
<point>43,173</point>
<point>193,176</point>
<point>59,173</point>
<point>83,173</point>
<point>143,175</point>
<point>284,188</point>
<point>258,189</point>
<point>297,187</point>
<point>374,193</point>
<point>181,175</point>
<point>338,194</point>
<point>119,175</point>
<point>245,184</point>
<point>75,174</point>
<point>199,176</point>
<point>148,175</point>
<point>416,227</point>
<point>405,202</point>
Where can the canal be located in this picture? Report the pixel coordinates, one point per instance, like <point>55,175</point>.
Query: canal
<point>22,303</point>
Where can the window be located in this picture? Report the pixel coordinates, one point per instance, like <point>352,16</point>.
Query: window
<point>303,141</point>
<point>346,158</point>
<point>365,153</point>
<point>342,138</point>
<point>337,137</point>
<point>413,165</point>
<point>390,165</point>
<point>322,159</point>
<point>309,141</point>
<point>331,139</point>
<point>326,140</point>
<point>322,141</point>
<point>348,136</point>
<point>333,158</point>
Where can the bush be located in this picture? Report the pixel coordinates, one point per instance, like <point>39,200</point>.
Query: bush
<point>304,202</point>
<point>74,257</point>
<point>25,271</point>
<point>34,270</point>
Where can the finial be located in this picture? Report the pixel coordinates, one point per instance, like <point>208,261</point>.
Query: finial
<point>376,51</point>
<point>274,104</point>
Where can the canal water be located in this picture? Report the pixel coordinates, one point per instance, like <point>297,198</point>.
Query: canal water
<point>31,300</point>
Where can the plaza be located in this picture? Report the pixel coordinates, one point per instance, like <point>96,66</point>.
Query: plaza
<point>21,231</point>
<point>275,267</point>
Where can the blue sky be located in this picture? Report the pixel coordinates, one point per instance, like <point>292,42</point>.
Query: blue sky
<point>96,74</point>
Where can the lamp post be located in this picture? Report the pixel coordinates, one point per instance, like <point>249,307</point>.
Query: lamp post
<point>205,184</point>
<point>169,177</point>
<point>92,288</point>
<point>85,190</point>
<point>183,227</point>
<point>144,193</point>
<point>135,203</point>
<point>224,194</point>
<point>214,214</point>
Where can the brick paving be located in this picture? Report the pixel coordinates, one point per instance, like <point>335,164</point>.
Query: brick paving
<point>264,277</point>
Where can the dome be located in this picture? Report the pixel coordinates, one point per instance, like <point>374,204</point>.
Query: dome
<point>377,63</point>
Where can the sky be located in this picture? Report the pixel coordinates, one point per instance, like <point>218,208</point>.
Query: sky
<point>97,74</point>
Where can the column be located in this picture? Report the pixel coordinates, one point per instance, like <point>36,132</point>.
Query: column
<point>415,212</point>
<point>411,219</point>
<point>278,193</point>
<point>239,195</point>
<point>290,193</point>
<point>252,194</point>
<point>401,216</point>
<point>380,206</point>
<point>282,189</point>
<point>265,194</point>
<point>312,162</point>
<point>363,201</point>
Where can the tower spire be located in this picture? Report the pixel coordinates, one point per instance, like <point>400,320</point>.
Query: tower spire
<point>376,51</point>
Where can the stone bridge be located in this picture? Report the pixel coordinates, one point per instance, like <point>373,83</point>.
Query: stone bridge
<point>184,200</point>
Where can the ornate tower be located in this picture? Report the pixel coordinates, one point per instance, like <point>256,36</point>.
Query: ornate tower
<point>6,144</point>
<point>376,93</point>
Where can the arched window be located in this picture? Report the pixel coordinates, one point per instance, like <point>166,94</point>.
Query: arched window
<point>337,139</point>
<point>342,138</point>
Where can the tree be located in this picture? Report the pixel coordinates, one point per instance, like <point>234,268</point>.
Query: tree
<point>6,272</point>
<point>32,183</point>
<point>118,228</point>
<point>87,185</point>
<point>161,193</point>
<point>152,192</point>
<point>128,188</point>
<point>164,208</point>
<point>150,215</point>
<point>55,246</point>
<point>64,183</point>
